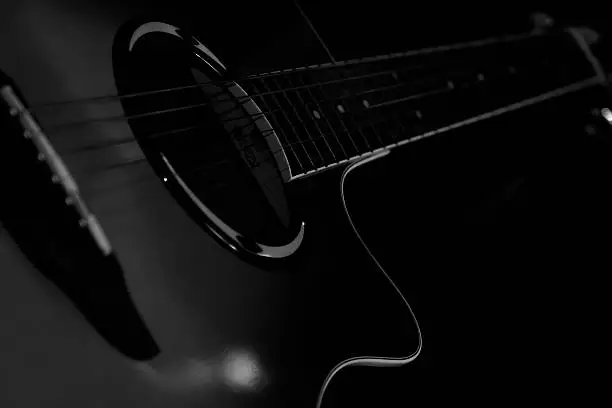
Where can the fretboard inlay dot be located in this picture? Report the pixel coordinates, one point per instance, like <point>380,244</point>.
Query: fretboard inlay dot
<point>340,109</point>
<point>366,104</point>
<point>316,114</point>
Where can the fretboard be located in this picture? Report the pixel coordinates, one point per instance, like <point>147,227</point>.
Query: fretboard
<point>329,114</point>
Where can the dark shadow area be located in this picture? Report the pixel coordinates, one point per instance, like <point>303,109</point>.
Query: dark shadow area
<point>497,234</point>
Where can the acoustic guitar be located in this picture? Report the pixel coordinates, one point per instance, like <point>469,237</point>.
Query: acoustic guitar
<point>139,166</point>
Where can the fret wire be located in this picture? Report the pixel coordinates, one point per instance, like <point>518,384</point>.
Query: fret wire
<point>360,129</point>
<point>420,135</point>
<point>400,124</point>
<point>401,121</point>
<point>374,123</point>
<point>427,66</point>
<point>490,113</point>
<point>370,111</point>
<point>361,133</point>
<point>333,81</point>
<point>315,123</point>
<point>396,120</point>
<point>363,136</point>
<point>340,119</point>
<point>399,85</point>
<point>348,118</point>
<point>350,78</point>
<point>382,143</point>
<point>324,116</point>
<point>344,79</point>
<point>267,106</point>
<point>271,112</point>
<point>301,122</point>
<point>122,117</point>
<point>290,124</point>
<point>221,162</point>
<point>323,135</point>
<point>332,128</point>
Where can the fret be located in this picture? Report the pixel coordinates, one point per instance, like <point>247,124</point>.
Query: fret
<point>369,139</point>
<point>348,109</point>
<point>323,124</point>
<point>355,111</point>
<point>372,116</point>
<point>364,119</point>
<point>501,85</point>
<point>333,116</point>
<point>302,140</point>
<point>313,142</point>
<point>333,110</point>
<point>376,131</point>
<point>342,146</point>
<point>342,111</point>
<point>390,128</point>
<point>313,122</point>
<point>298,158</point>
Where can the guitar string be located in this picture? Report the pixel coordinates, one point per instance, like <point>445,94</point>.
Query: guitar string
<point>297,5</point>
<point>224,161</point>
<point>301,142</point>
<point>363,61</point>
<point>322,135</point>
<point>238,107</point>
<point>210,166</point>
<point>226,83</point>
<point>244,99</point>
<point>264,133</point>
<point>57,129</point>
<point>314,30</point>
<point>270,153</point>
<point>401,128</point>
<point>400,122</point>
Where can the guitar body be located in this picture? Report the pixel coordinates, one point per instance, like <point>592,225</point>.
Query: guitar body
<point>232,329</point>
<point>230,333</point>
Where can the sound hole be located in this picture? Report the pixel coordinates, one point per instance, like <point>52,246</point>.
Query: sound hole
<point>213,145</point>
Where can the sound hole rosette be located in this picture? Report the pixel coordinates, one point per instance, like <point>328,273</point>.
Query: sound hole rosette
<point>206,139</point>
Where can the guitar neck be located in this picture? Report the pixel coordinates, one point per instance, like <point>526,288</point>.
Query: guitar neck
<point>329,114</point>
